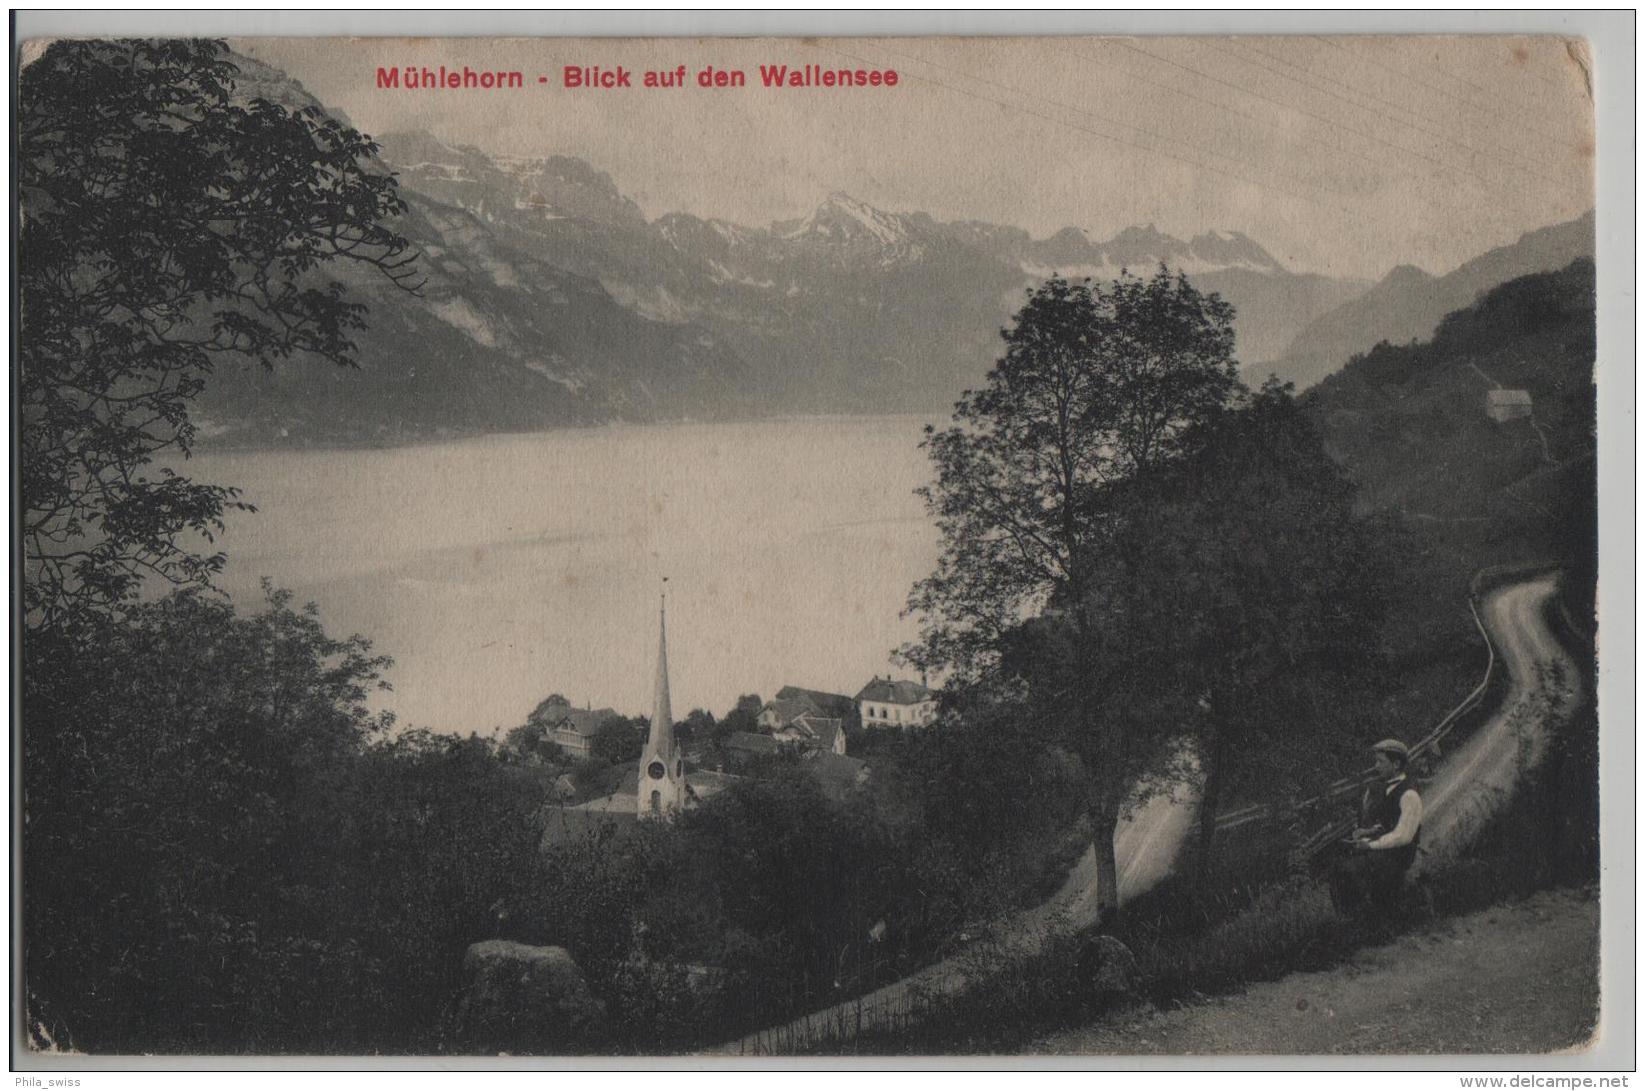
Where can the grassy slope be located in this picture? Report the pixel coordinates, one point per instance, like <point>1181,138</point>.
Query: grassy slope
<point>1456,986</point>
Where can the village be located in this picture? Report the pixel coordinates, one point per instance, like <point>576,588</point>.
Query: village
<point>595,756</point>
<point>599,758</point>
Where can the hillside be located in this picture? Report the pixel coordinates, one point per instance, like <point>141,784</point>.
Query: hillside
<point>1410,421</point>
<point>1408,304</point>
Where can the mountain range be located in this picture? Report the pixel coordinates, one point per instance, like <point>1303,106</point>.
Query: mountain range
<point>1408,304</point>
<point>552,300</point>
<point>851,308</point>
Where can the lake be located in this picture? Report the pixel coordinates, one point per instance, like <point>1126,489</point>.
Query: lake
<point>500,569</point>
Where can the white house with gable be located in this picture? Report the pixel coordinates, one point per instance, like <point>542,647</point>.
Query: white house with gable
<point>887,703</point>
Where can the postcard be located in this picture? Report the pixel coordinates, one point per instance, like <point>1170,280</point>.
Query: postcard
<point>1061,546</point>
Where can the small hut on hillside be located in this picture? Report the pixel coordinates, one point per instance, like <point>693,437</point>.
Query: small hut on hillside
<point>1506,405</point>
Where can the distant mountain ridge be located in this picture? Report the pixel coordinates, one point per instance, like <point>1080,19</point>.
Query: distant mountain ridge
<point>553,300</point>
<point>851,307</point>
<point>496,340</point>
<point>1408,304</point>
<point>1414,426</point>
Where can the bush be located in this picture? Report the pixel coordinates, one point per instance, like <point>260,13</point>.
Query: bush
<point>220,859</point>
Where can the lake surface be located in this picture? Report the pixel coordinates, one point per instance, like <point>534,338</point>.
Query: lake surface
<point>501,569</point>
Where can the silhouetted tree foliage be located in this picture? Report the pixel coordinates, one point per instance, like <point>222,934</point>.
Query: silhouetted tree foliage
<point>1244,574</point>
<point>1098,386</point>
<point>531,742</point>
<point>698,726</point>
<point>165,225</point>
<point>218,856</point>
<point>620,739</point>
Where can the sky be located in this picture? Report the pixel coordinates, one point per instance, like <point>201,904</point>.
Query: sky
<point>1341,155</point>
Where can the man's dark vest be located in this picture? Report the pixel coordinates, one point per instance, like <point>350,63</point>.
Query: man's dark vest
<point>1379,810</point>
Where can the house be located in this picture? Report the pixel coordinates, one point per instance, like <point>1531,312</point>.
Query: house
<point>887,703</point>
<point>809,732</point>
<point>1506,405</point>
<point>746,744</point>
<point>571,729</point>
<point>792,701</point>
<point>809,719</point>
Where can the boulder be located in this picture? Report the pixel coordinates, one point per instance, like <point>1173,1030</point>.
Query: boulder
<point>523,999</point>
<point>1107,968</point>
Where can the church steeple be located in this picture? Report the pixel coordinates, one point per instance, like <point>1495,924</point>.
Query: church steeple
<point>662,771</point>
<point>662,715</point>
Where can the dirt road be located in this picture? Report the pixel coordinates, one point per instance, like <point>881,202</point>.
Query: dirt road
<point>1521,978</point>
<point>1513,979</point>
<point>1542,690</point>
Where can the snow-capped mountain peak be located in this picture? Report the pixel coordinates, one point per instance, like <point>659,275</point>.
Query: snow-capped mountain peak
<point>843,218</point>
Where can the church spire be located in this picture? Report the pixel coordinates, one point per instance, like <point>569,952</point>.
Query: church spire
<point>662,770</point>
<point>662,715</point>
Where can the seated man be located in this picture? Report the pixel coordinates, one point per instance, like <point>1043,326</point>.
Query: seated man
<point>1385,842</point>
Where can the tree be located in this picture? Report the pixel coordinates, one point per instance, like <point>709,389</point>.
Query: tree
<point>745,715</point>
<point>530,742</point>
<point>698,727</point>
<point>224,854</point>
<point>186,778</point>
<point>619,739</point>
<point>785,863</point>
<point>166,225</point>
<point>1097,386</point>
<point>1256,581</point>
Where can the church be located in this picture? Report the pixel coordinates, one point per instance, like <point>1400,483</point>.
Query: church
<point>661,786</point>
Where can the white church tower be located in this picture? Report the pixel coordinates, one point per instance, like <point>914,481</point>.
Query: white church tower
<point>662,770</point>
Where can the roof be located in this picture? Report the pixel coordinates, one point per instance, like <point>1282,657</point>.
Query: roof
<point>896,693</point>
<point>706,782</point>
<point>788,709</point>
<point>825,703</point>
<point>584,721</point>
<point>1508,397</point>
<point>754,744</point>
<point>821,729</point>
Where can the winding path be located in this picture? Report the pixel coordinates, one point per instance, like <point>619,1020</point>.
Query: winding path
<point>1543,689</point>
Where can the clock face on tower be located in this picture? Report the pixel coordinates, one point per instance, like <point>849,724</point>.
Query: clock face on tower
<point>657,770</point>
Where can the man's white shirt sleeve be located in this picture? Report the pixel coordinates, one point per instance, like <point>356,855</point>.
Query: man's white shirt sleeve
<point>1410,820</point>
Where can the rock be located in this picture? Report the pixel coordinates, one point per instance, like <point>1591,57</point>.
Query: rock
<point>524,999</point>
<point>1107,967</point>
